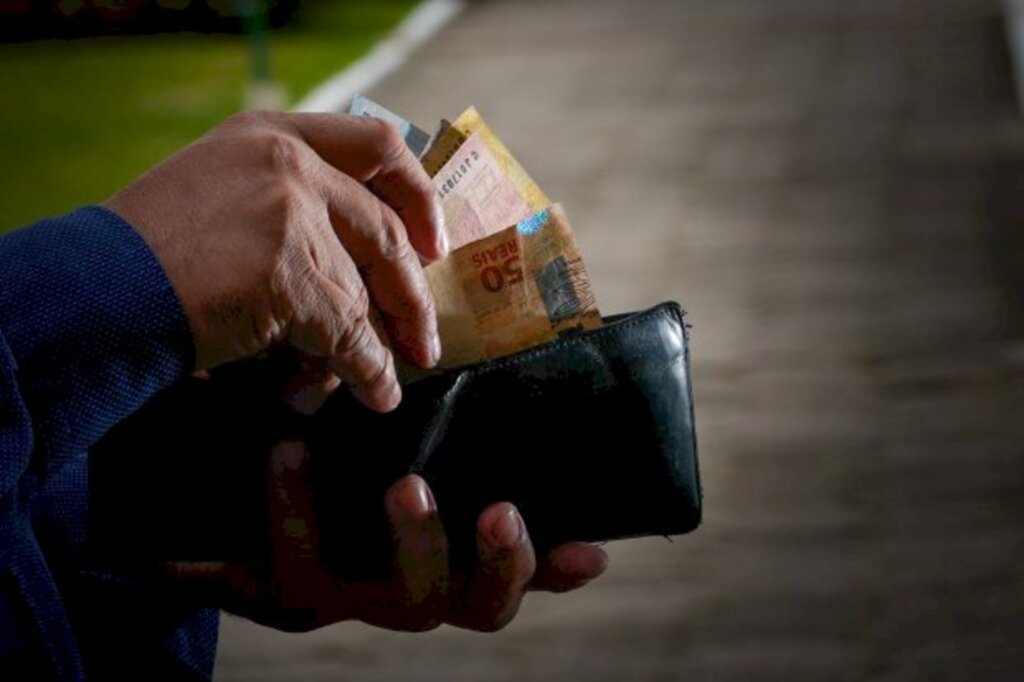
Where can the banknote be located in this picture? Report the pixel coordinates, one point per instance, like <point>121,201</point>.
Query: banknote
<point>415,138</point>
<point>514,278</point>
<point>476,195</point>
<point>516,288</point>
<point>469,122</point>
<point>481,185</point>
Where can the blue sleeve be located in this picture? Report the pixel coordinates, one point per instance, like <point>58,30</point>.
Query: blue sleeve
<point>90,327</point>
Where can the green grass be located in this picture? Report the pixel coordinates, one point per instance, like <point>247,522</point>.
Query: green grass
<point>81,118</point>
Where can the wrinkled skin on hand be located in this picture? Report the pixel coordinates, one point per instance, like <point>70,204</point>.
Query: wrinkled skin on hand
<point>283,229</point>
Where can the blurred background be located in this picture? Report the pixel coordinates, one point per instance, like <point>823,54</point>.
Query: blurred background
<point>94,92</point>
<point>834,191</point>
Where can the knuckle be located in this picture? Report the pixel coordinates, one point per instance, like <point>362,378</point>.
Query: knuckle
<point>285,208</point>
<point>392,238</point>
<point>313,322</point>
<point>356,308</point>
<point>379,374</point>
<point>355,337</point>
<point>419,307</point>
<point>390,141</point>
<point>427,307</point>
<point>284,199</point>
<point>286,154</point>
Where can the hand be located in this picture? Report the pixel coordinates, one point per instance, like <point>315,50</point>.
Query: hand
<point>295,593</point>
<point>284,228</point>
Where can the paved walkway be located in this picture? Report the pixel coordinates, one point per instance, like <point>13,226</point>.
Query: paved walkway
<point>834,194</point>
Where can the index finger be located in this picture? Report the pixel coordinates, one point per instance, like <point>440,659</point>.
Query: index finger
<point>374,153</point>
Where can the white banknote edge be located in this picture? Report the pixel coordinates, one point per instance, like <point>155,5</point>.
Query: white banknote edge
<point>422,24</point>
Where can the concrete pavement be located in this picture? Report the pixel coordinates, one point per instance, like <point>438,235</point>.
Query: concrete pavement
<point>831,190</point>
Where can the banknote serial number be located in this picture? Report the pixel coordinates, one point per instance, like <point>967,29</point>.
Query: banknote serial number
<point>459,172</point>
<point>498,266</point>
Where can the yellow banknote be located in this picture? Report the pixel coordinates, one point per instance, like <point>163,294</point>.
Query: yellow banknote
<point>477,197</point>
<point>470,122</point>
<point>519,287</point>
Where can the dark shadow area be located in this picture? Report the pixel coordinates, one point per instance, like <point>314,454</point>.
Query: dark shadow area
<point>24,20</point>
<point>1006,204</point>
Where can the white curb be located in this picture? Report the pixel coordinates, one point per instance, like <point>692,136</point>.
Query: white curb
<point>1015,36</point>
<point>417,28</point>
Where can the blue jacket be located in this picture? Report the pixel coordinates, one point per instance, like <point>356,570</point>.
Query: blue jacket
<point>90,328</point>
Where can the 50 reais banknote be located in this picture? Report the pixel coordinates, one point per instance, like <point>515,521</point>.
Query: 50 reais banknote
<point>516,288</point>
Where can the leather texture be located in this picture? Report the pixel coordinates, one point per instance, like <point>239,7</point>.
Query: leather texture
<point>592,437</point>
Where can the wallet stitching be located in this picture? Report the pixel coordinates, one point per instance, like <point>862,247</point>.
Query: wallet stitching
<point>670,309</point>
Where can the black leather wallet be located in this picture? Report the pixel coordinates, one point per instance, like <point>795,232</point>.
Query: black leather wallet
<point>590,436</point>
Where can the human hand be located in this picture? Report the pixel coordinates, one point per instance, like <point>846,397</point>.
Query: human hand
<point>294,592</point>
<point>280,228</point>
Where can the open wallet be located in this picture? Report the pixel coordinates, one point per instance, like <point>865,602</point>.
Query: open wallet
<point>591,436</point>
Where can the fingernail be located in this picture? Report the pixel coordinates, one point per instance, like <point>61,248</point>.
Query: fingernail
<point>507,530</point>
<point>442,230</point>
<point>419,498</point>
<point>442,241</point>
<point>435,349</point>
<point>414,499</point>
